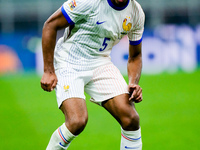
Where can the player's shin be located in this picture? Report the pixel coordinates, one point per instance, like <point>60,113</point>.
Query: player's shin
<point>131,140</point>
<point>60,139</point>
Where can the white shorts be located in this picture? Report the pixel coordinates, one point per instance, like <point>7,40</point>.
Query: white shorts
<point>102,83</point>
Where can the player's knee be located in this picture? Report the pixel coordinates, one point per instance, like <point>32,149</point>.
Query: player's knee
<point>77,124</point>
<point>80,123</point>
<point>131,123</point>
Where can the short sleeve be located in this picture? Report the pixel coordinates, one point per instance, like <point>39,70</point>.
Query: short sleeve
<point>75,10</point>
<point>135,35</point>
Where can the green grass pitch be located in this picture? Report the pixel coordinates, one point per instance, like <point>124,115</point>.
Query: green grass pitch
<point>169,114</point>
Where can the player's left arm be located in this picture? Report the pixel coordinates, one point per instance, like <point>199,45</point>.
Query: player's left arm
<point>134,68</point>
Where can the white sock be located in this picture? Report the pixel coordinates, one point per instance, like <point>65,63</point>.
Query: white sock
<point>131,140</point>
<point>60,139</point>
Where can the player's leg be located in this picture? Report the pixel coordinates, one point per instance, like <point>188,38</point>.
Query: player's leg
<point>108,84</point>
<point>76,117</point>
<point>124,112</point>
<point>70,98</point>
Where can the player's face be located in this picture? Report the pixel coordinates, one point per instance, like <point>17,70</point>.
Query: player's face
<point>119,2</point>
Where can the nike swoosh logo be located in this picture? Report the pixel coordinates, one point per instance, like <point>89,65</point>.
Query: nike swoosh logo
<point>100,22</point>
<point>62,145</point>
<point>131,147</point>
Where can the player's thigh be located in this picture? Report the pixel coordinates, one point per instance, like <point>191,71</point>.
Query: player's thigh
<point>70,85</point>
<point>74,108</point>
<point>122,109</point>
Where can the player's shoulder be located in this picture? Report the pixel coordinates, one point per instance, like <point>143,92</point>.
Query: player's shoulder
<point>86,2</point>
<point>83,6</point>
<point>137,7</point>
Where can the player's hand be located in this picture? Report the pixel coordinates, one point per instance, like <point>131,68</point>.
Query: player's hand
<point>48,81</point>
<point>135,93</point>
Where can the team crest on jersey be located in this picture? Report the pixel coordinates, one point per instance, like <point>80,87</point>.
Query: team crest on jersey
<point>72,4</point>
<point>66,88</point>
<point>126,25</point>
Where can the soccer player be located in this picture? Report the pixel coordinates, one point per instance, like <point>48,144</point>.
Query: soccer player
<point>81,62</point>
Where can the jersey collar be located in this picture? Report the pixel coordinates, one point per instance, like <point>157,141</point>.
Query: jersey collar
<point>116,7</point>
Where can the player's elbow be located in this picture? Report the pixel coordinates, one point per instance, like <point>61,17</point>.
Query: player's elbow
<point>49,25</point>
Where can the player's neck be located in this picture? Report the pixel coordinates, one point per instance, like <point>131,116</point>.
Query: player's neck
<point>119,3</point>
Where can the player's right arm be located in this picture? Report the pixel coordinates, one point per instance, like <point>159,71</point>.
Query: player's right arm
<point>54,23</point>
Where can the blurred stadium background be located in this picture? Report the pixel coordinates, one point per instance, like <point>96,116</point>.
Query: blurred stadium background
<point>170,79</point>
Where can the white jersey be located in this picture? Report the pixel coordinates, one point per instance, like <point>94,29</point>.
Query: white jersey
<point>95,27</point>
